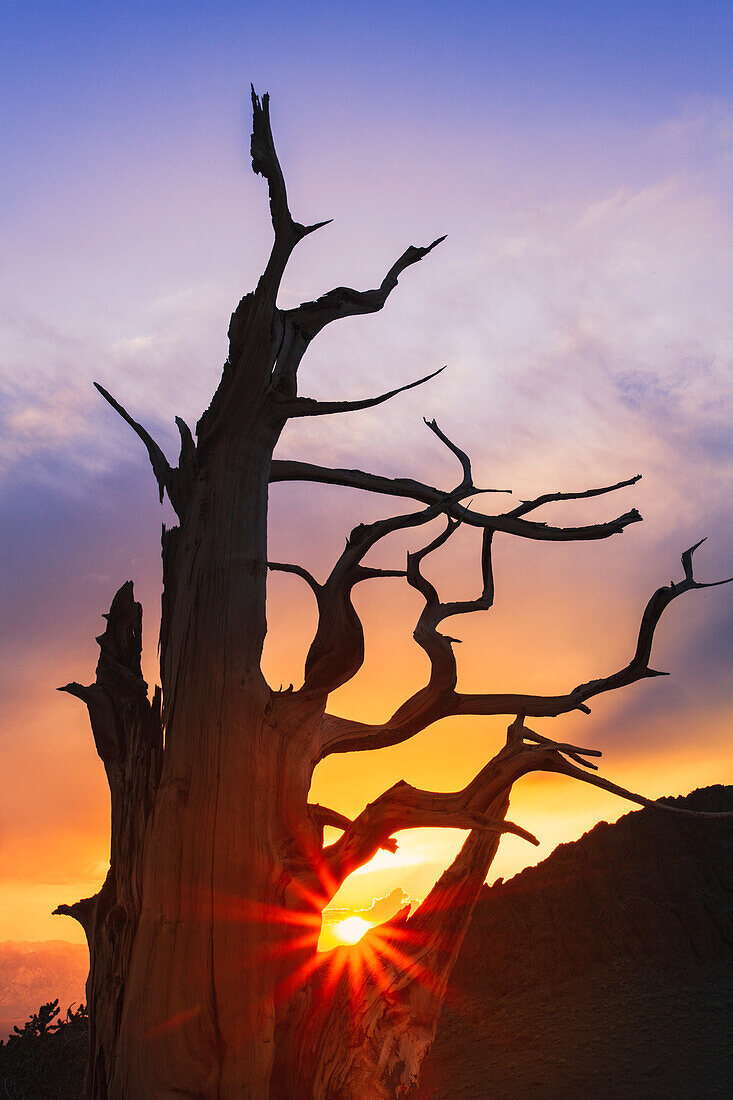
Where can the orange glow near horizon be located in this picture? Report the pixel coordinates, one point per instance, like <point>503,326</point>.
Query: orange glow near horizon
<point>69,862</point>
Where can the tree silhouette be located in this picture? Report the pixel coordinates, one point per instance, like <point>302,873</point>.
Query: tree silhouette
<point>205,981</point>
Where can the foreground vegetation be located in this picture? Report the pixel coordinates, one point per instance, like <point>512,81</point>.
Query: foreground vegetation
<point>46,1058</point>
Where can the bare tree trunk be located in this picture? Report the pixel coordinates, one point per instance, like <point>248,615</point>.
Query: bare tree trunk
<point>204,980</point>
<point>199,1012</point>
<point>128,736</point>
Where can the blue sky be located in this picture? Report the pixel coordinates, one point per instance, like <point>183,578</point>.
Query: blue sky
<point>578,156</point>
<point>134,82</point>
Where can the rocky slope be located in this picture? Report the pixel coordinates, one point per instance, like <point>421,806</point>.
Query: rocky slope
<point>606,971</point>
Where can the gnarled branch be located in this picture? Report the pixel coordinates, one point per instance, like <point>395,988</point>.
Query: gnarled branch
<point>439,646</point>
<point>510,524</point>
<point>310,317</point>
<point>413,954</point>
<point>297,327</point>
<point>407,807</point>
<point>551,498</point>
<point>337,651</point>
<point>550,756</point>
<point>439,700</point>
<point>445,912</point>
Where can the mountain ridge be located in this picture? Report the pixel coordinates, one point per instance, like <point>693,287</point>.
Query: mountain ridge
<point>33,972</point>
<point>604,971</point>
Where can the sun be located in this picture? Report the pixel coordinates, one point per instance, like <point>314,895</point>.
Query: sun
<point>351,929</point>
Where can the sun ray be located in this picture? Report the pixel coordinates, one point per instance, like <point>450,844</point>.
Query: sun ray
<point>287,947</point>
<point>408,964</point>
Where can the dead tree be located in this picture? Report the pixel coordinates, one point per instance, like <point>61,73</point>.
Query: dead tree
<point>205,981</point>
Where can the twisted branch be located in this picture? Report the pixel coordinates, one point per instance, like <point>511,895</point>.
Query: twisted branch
<point>407,807</point>
<point>507,522</point>
<point>550,756</point>
<point>439,699</point>
<point>436,928</point>
<point>337,651</point>
<point>550,498</point>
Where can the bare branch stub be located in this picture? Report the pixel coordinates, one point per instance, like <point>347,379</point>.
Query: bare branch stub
<point>323,816</point>
<point>298,571</point>
<point>160,464</point>
<point>265,162</point>
<point>175,481</point>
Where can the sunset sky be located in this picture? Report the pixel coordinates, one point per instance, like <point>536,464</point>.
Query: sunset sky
<point>578,155</point>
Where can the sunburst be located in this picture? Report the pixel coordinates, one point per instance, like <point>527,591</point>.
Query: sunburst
<point>351,929</point>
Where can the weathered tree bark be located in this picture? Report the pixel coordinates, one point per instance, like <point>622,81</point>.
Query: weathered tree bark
<point>205,981</point>
<point>129,739</point>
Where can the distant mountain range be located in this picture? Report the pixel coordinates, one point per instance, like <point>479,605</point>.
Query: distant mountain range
<point>604,972</point>
<point>33,973</point>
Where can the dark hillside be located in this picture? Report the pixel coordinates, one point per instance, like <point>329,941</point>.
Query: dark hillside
<point>605,972</point>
